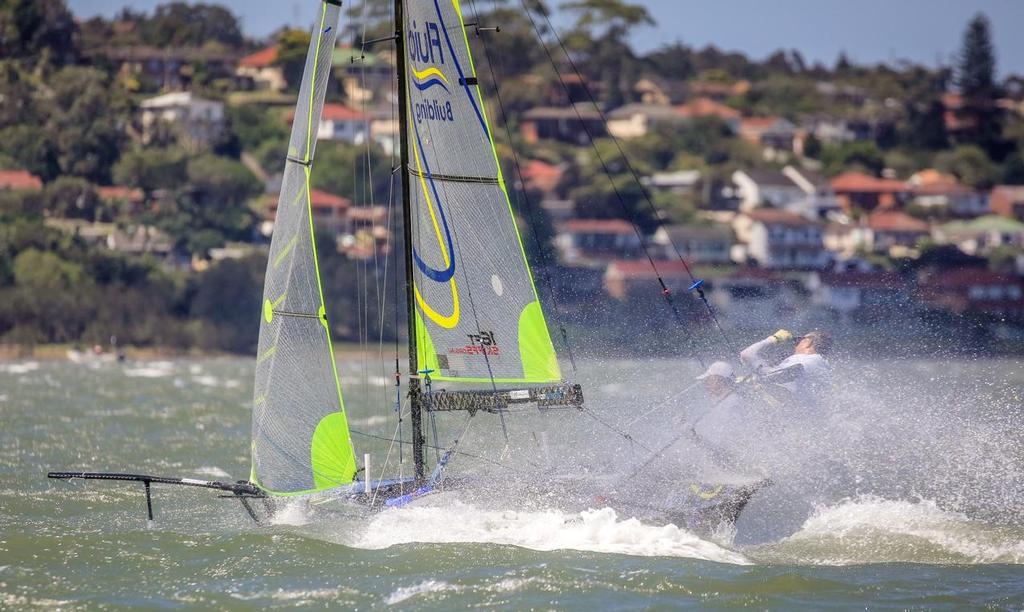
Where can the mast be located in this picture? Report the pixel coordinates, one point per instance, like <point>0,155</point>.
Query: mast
<point>415,406</point>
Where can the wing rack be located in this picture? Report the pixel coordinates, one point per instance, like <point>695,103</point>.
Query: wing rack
<point>556,396</point>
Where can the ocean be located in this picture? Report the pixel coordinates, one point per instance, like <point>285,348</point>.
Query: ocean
<point>906,493</point>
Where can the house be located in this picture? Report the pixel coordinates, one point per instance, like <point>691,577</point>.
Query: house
<point>171,68</point>
<point>680,182</point>
<point>262,69</point>
<point>656,90</point>
<point>140,240</point>
<point>542,177</point>
<point>329,212</point>
<point>772,133</point>
<point>858,292</point>
<point>20,180</point>
<point>780,239</point>
<point>566,124</point>
<point>936,190</point>
<point>718,90</point>
<point>1007,201</point>
<point>706,107</point>
<point>979,236</point>
<point>637,277</point>
<point>695,244</point>
<point>855,190</point>
<point>593,241</point>
<point>339,122</point>
<point>974,291</point>
<point>758,188</point>
<point>366,232</point>
<point>819,201</point>
<point>196,123</point>
<point>635,120</point>
<point>366,76</point>
<point>895,233</point>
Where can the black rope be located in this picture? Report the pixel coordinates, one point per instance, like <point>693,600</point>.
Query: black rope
<point>696,284</point>
<point>616,430</point>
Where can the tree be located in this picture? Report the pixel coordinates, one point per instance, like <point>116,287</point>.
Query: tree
<point>861,153</point>
<point>351,178</point>
<point>151,169</point>
<point>37,30</point>
<point>976,79</point>
<point>253,125</point>
<point>85,129</point>
<point>812,147</point>
<point>226,299</point>
<point>212,204</point>
<point>182,24</point>
<point>70,196</point>
<point>970,164</point>
<point>292,46</point>
<point>601,39</point>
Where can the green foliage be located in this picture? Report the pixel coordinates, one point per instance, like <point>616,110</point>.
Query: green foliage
<point>349,176</point>
<point>860,154</point>
<point>29,147</point>
<point>185,24</point>
<point>292,46</point>
<point>35,269</point>
<point>37,30</point>
<point>152,169</point>
<point>970,164</point>
<point>72,197</point>
<point>226,301</point>
<point>976,78</point>
<point>813,147</point>
<point>85,128</point>
<point>254,125</point>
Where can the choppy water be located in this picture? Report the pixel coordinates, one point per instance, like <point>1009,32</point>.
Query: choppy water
<point>908,495</point>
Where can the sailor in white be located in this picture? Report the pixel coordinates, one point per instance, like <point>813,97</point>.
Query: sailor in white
<point>813,383</point>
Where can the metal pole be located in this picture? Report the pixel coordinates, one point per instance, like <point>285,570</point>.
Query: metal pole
<point>415,408</point>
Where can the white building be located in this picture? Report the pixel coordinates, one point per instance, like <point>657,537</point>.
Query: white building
<point>757,188</point>
<point>195,122</point>
<point>780,239</point>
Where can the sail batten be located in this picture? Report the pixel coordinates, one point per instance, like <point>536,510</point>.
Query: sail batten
<point>300,437</point>
<point>478,317</point>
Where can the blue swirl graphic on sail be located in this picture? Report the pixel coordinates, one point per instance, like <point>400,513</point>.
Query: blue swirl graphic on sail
<point>424,80</point>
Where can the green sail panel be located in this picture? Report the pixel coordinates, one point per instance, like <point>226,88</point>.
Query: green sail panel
<point>300,436</point>
<point>478,318</point>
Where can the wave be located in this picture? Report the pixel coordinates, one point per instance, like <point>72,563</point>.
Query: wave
<point>871,529</point>
<point>596,530</point>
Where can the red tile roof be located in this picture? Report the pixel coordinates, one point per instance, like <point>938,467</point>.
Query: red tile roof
<point>336,112</point>
<point>260,59</point>
<point>706,107</point>
<point>542,175</point>
<point>340,112</point>
<point>321,200</point>
<point>775,216</point>
<point>895,221</point>
<point>20,180</point>
<point>597,226</point>
<point>641,268</point>
<point>857,182</point>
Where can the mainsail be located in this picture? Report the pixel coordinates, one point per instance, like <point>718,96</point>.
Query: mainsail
<point>300,436</point>
<point>477,316</point>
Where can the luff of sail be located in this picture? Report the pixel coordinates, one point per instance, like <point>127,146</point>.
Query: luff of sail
<point>478,318</point>
<point>300,436</point>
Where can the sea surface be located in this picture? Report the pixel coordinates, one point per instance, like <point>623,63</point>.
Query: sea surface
<point>907,492</point>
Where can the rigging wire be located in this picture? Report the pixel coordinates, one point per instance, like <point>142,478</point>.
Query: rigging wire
<point>696,284</point>
<point>521,192</point>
